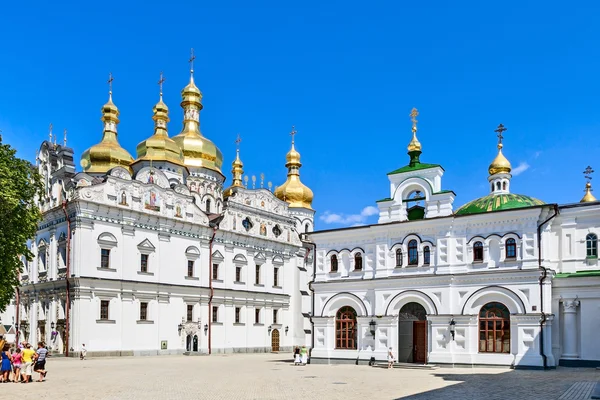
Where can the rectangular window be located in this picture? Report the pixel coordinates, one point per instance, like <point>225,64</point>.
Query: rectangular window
<point>215,271</point>
<point>275,316</point>
<point>215,314</point>
<point>190,271</point>
<point>144,263</point>
<point>257,316</point>
<point>190,312</point>
<point>237,315</point>
<point>258,274</point>
<point>104,309</point>
<point>105,258</point>
<point>275,276</point>
<point>238,274</point>
<point>143,311</point>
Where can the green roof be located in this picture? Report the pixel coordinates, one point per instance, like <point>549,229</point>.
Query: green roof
<point>386,199</point>
<point>497,202</point>
<point>580,274</point>
<point>415,167</point>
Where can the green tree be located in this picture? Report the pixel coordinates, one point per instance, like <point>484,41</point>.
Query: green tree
<point>19,216</point>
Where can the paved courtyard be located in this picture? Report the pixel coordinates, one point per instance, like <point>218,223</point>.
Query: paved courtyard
<point>272,376</point>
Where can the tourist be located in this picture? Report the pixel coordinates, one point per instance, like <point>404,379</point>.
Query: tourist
<point>304,355</point>
<point>27,366</point>
<point>17,360</point>
<point>83,352</point>
<point>6,365</point>
<point>390,358</point>
<point>40,361</point>
<point>297,355</point>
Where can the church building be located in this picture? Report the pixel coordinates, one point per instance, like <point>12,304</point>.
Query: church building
<point>505,279</point>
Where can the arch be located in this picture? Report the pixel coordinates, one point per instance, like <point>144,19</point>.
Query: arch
<point>478,251</point>
<point>195,343</point>
<point>346,249</point>
<point>413,252</point>
<point>334,263</point>
<point>398,257</point>
<point>411,296</point>
<point>107,238</point>
<point>411,184</point>
<point>494,327</point>
<point>485,238</point>
<point>496,294</point>
<point>192,250</point>
<point>358,261</point>
<point>334,303</point>
<point>277,260</point>
<point>426,255</point>
<point>345,328</point>
<point>591,245</point>
<point>510,248</point>
<point>412,311</point>
<point>240,259</point>
<point>275,340</point>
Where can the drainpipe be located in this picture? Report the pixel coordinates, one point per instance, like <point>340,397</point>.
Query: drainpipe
<point>312,312</point>
<point>544,274</point>
<point>18,302</point>
<point>68,288</point>
<point>210,286</point>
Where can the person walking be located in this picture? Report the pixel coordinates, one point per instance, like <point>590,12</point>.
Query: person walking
<point>390,358</point>
<point>304,355</point>
<point>17,360</point>
<point>40,361</point>
<point>83,352</point>
<point>297,356</point>
<point>6,364</point>
<point>27,365</point>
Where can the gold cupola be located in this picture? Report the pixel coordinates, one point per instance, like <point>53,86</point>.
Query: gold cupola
<point>414,144</point>
<point>102,157</point>
<point>500,163</point>
<point>198,151</point>
<point>237,170</point>
<point>588,197</point>
<point>293,191</point>
<point>160,147</point>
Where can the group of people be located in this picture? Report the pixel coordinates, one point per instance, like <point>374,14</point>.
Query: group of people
<point>19,364</point>
<point>300,355</point>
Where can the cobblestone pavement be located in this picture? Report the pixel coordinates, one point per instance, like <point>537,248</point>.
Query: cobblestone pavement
<point>271,376</point>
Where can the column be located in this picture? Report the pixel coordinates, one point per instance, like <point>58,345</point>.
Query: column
<point>570,331</point>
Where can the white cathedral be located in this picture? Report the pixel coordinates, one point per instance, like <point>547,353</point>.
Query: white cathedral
<point>154,256</point>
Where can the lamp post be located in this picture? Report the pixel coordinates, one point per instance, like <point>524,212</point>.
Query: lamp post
<point>270,328</point>
<point>287,328</point>
<point>452,328</point>
<point>205,328</point>
<point>52,325</point>
<point>180,327</point>
<point>372,326</point>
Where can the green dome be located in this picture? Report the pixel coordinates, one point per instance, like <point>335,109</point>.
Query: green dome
<point>497,202</point>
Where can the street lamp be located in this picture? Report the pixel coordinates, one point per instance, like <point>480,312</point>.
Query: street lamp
<point>372,326</point>
<point>199,324</point>
<point>270,329</point>
<point>205,328</point>
<point>52,325</point>
<point>180,327</point>
<point>287,328</point>
<point>452,328</point>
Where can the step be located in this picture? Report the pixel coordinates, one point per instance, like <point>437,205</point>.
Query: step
<point>407,366</point>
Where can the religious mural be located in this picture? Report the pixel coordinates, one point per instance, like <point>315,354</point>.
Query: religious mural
<point>152,200</point>
<point>263,230</point>
<point>123,201</point>
<point>178,211</point>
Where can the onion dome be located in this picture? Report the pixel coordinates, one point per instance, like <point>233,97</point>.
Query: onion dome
<point>293,191</point>
<point>237,170</point>
<point>500,163</point>
<point>159,147</point>
<point>498,202</point>
<point>197,150</point>
<point>102,157</point>
<point>588,197</point>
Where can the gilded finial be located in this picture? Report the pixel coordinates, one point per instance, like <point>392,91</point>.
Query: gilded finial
<point>413,117</point>
<point>50,132</point>
<point>500,163</point>
<point>414,145</point>
<point>65,138</point>
<point>191,61</point>
<point>588,197</point>
<point>160,84</point>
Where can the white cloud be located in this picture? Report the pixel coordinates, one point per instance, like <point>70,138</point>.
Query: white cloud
<point>522,167</point>
<point>354,219</point>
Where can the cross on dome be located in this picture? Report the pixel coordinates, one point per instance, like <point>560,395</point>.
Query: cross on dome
<point>191,61</point>
<point>160,83</point>
<point>588,173</point>
<point>110,81</point>
<point>413,117</point>
<point>293,132</point>
<point>500,130</point>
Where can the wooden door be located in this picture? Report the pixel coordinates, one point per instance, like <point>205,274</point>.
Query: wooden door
<point>275,340</point>
<point>420,342</point>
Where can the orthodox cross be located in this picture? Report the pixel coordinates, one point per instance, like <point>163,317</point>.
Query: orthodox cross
<point>160,82</point>
<point>293,132</point>
<point>110,81</point>
<point>501,129</point>
<point>588,173</point>
<point>50,132</point>
<point>413,117</point>
<point>191,60</point>
<point>65,138</point>
<point>237,143</point>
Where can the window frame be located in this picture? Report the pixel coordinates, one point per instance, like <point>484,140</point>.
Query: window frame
<point>275,316</point>
<point>238,274</point>
<point>276,277</point>
<point>144,311</point>
<point>346,329</point>
<point>478,248</point>
<point>257,315</point>
<point>189,312</point>
<point>510,247</point>
<point>215,314</point>
<point>491,311</point>
<point>238,315</point>
<point>358,262</point>
<point>334,263</point>
<point>144,262</point>
<point>591,245</point>
<point>190,268</point>
<point>104,310</point>
<point>104,257</point>
<point>399,258</point>
<point>215,272</point>
<point>257,280</point>
<point>413,247</point>
<point>426,255</point>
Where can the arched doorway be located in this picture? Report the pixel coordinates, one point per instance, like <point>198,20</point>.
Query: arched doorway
<point>188,343</point>
<point>412,334</point>
<point>275,340</point>
<point>195,343</point>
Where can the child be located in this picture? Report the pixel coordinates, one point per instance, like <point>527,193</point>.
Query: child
<point>17,360</point>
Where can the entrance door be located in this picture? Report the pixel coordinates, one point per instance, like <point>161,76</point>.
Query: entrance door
<point>275,340</point>
<point>420,342</point>
<point>195,343</point>
<point>188,343</point>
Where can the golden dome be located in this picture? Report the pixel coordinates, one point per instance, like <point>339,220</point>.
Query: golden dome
<point>414,144</point>
<point>588,197</point>
<point>500,163</point>
<point>197,150</point>
<point>160,147</point>
<point>102,157</point>
<point>237,171</point>
<point>293,191</point>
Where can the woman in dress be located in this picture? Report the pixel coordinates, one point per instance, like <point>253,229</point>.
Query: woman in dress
<point>6,365</point>
<point>297,356</point>
<point>390,358</point>
<point>17,359</point>
<point>304,355</point>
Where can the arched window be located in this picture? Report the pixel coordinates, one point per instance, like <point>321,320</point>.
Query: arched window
<point>358,262</point>
<point>511,248</point>
<point>591,245</point>
<point>334,263</point>
<point>413,253</point>
<point>478,252</point>
<point>504,185</point>
<point>306,228</point>
<point>494,328</point>
<point>497,185</point>
<point>492,187</point>
<point>345,328</point>
<point>208,206</point>
<point>426,255</point>
<point>398,257</point>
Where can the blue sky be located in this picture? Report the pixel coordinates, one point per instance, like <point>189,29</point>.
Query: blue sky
<point>345,73</point>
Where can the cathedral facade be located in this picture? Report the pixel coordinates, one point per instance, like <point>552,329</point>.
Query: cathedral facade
<point>503,280</point>
<point>153,255</point>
